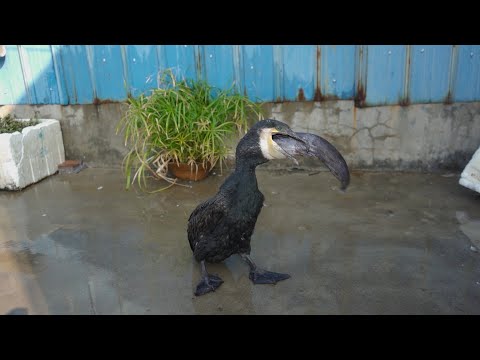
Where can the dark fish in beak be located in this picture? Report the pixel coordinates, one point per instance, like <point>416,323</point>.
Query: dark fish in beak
<point>305,144</point>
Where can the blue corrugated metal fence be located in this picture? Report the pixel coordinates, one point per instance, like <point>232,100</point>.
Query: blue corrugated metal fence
<point>372,75</point>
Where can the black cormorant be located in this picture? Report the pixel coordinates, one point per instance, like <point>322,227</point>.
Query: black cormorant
<point>223,225</point>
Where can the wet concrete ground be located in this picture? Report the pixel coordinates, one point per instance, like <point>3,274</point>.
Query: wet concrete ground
<point>393,244</point>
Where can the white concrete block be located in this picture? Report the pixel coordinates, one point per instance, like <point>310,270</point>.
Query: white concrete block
<point>30,156</point>
<point>470,177</point>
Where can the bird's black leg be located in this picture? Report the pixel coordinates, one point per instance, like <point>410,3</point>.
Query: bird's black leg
<point>260,276</point>
<point>208,283</point>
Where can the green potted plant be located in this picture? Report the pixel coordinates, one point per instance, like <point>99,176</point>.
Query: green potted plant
<point>184,128</point>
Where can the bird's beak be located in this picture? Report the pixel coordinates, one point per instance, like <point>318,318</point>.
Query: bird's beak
<point>289,133</point>
<point>305,144</point>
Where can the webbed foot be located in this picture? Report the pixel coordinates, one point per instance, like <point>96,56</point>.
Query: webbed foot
<point>259,276</point>
<point>208,283</point>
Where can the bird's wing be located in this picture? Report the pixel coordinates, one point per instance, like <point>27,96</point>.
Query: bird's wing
<point>205,218</point>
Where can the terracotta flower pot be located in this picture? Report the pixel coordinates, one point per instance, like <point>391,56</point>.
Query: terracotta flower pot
<point>187,172</point>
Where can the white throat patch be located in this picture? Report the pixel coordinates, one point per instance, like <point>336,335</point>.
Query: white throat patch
<point>270,149</point>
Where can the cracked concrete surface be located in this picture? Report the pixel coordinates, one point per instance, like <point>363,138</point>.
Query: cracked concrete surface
<point>423,136</point>
<point>394,243</point>
<point>420,136</point>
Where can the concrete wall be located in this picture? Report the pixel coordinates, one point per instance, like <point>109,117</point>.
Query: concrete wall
<point>422,136</point>
<point>89,131</point>
<point>425,137</point>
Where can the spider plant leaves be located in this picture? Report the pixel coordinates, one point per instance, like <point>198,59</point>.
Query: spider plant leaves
<point>187,121</point>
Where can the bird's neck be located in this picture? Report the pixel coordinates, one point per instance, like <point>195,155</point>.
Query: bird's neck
<point>242,179</point>
<point>246,174</point>
<point>246,167</point>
